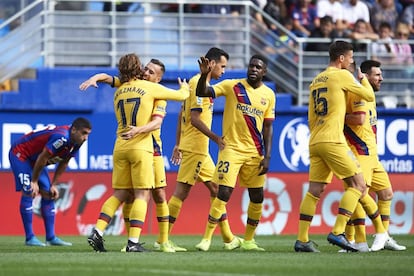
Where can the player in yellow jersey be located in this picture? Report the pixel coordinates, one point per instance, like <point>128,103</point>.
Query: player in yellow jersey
<point>153,72</point>
<point>192,148</point>
<point>329,152</point>
<point>247,133</point>
<point>360,132</point>
<point>133,153</point>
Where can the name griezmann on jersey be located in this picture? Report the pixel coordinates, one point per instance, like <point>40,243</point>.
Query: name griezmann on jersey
<point>131,89</point>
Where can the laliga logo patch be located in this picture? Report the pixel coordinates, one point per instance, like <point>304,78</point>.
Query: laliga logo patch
<point>58,143</point>
<point>276,207</point>
<point>294,144</point>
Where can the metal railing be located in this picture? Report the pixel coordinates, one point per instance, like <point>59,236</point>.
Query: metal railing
<point>52,37</point>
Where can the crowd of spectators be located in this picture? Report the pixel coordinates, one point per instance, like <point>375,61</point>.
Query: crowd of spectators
<point>383,25</point>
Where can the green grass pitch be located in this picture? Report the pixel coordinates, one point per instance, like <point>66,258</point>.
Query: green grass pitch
<point>279,259</point>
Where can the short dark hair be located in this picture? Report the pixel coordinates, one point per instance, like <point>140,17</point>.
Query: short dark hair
<point>260,57</point>
<point>215,53</point>
<point>159,63</point>
<point>326,19</point>
<point>338,48</point>
<point>367,65</point>
<point>81,122</point>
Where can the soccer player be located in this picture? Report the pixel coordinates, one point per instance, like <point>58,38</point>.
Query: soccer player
<point>29,157</point>
<point>153,72</point>
<point>248,118</point>
<point>329,152</point>
<point>192,148</point>
<point>360,132</point>
<point>133,154</point>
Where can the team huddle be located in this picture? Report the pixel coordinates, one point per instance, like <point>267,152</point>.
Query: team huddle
<point>342,121</point>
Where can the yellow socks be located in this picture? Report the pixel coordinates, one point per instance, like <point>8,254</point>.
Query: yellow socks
<point>347,206</point>
<point>137,219</point>
<point>307,210</point>
<point>216,210</point>
<point>107,212</point>
<point>174,206</point>
<point>162,218</point>
<point>384,208</point>
<point>254,213</point>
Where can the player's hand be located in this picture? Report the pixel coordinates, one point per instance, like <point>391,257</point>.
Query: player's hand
<point>204,64</point>
<point>220,143</point>
<point>360,74</point>
<point>54,192</point>
<point>264,165</point>
<point>130,133</point>
<point>182,82</point>
<point>35,189</point>
<point>88,83</point>
<point>176,156</point>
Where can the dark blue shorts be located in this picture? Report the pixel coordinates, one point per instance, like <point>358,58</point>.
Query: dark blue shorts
<point>23,170</point>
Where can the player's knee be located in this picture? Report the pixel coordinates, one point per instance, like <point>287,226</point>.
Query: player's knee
<point>385,195</point>
<point>256,195</point>
<point>224,193</point>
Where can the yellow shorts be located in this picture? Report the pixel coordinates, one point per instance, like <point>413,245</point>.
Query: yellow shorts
<point>159,172</point>
<point>368,164</point>
<point>132,169</point>
<point>195,168</point>
<point>327,159</point>
<point>232,165</point>
<point>380,179</point>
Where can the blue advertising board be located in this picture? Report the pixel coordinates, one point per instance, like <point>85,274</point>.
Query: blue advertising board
<point>395,137</point>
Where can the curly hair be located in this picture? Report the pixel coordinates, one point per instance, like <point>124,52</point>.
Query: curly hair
<point>129,67</point>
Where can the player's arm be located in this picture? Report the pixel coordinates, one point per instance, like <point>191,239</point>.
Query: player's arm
<point>203,90</point>
<point>61,167</point>
<point>177,155</point>
<point>154,124</point>
<point>93,81</point>
<point>201,126</point>
<point>355,118</point>
<point>363,89</point>
<point>41,162</point>
<point>267,139</point>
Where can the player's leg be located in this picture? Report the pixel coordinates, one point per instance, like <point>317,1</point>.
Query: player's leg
<point>48,211</point>
<point>226,171</point>
<point>249,177</point>
<point>230,241</point>
<point>23,174</point>
<point>190,165</point>
<point>319,176</point>
<point>142,177</point>
<point>381,184</point>
<point>344,165</point>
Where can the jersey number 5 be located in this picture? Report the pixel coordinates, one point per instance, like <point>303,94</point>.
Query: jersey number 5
<point>320,104</point>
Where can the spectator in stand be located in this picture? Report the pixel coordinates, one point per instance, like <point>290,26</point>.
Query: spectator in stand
<point>325,30</point>
<point>361,31</point>
<point>402,49</point>
<point>305,18</point>
<point>354,10</point>
<point>277,10</point>
<point>333,8</point>
<point>408,17</point>
<point>383,11</point>
<point>381,50</point>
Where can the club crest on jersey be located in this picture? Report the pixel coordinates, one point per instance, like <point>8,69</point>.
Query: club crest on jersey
<point>263,101</point>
